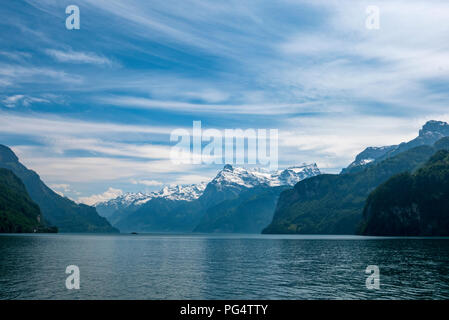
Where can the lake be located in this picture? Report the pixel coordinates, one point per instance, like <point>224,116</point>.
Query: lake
<point>186,266</point>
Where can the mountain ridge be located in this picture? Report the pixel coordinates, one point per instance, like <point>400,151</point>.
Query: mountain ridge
<point>18,213</point>
<point>227,185</point>
<point>228,176</point>
<point>58,211</point>
<point>333,204</point>
<point>431,132</point>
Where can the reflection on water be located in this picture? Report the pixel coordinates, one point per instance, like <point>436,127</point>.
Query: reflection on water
<point>222,267</point>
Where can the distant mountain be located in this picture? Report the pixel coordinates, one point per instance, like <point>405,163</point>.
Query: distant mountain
<point>181,208</point>
<point>112,209</point>
<point>241,177</point>
<point>431,132</point>
<point>249,212</point>
<point>411,204</point>
<point>243,200</point>
<point>231,181</point>
<point>368,156</point>
<point>160,215</point>
<point>18,213</point>
<point>58,211</point>
<point>152,212</point>
<point>333,204</point>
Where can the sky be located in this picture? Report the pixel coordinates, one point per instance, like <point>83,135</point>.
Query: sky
<point>92,110</point>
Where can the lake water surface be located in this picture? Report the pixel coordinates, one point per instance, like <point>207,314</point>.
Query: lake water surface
<point>155,266</point>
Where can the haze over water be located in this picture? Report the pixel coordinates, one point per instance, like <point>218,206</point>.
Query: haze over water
<point>155,266</point>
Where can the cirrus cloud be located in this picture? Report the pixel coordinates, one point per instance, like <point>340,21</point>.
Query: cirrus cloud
<point>78,57</point>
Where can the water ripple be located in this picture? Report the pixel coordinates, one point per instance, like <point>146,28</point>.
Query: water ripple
<point>222,267</point>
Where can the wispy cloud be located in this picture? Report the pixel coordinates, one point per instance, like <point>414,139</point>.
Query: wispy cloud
<point>41,124</point>
<point>107,156</point>
<point>16,55</point>
<point>13,74</point>
<point>393,65</point>
<point>148,183</point>
<point>193,178</point>
<point>308,67</point>
<point>93,169</point>
<point>23,100</point>
<point>198,108</point>
<point>78,57</point>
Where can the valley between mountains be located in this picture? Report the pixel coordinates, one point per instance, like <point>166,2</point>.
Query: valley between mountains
<point>389,190</point>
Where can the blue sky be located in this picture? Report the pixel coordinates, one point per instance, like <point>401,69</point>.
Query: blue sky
<point>91,110</point>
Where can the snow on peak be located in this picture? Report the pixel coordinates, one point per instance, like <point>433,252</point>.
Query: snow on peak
<point>182,192</point>
<point>254,177</point>
<point>228,176</point>
<point>175,192</point>
<point>125,199</point>
<point>293,175</point>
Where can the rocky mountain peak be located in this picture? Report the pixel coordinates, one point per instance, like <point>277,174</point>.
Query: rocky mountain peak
<point>239,176</point>
<point>7,155</point>
<point>431,132</point>
<point>435,127</point>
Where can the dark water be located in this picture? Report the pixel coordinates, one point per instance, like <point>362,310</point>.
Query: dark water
<point>222,267</point>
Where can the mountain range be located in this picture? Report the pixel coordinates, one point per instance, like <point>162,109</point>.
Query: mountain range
<point>430,133</point>
<point>189,208</point>
<point>334,203</point>
<point>392,190</point>
<point>111,209</point>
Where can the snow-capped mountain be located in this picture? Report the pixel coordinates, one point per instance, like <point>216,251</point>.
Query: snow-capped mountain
<point>180,208</point>
<point>181,192</point>
<point>243,200</point>
<point>178,192</point>
<point>238,176</point>
<point>293,175</point>
<point>231,181</point>
<point>124,200</point>
<point>229,178</point>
